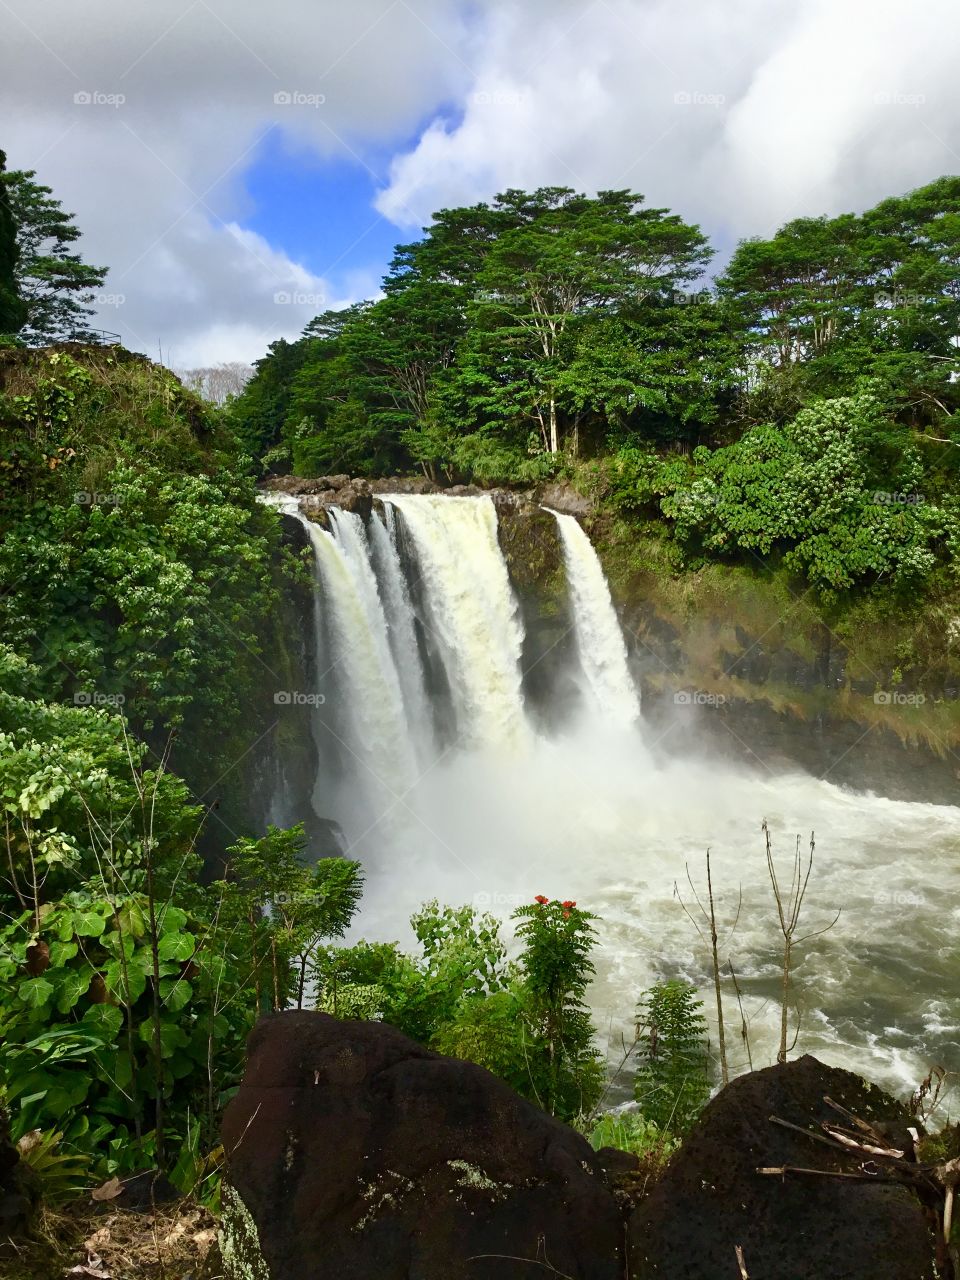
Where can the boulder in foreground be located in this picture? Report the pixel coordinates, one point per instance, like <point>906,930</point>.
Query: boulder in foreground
<point>795,1227</point>
<point>354,1152</point>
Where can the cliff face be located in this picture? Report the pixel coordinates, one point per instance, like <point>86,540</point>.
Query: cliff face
<point>742,661</point>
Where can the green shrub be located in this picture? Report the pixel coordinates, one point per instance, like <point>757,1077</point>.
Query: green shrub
<point>672,1083</point>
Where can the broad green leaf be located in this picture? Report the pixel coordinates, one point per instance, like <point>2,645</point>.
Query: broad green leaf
<point>88,924</point>
<point>35,992</point>
<point>176,946</point>
<point>175,993</point>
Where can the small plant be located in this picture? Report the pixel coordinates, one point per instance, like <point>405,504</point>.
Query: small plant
<point>672,1082</point>
<point>557,940</point>
<point>61,1175</point>
<point>632,1131</point>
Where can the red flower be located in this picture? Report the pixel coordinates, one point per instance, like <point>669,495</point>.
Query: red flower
<point>541,899</point>
<point>566,915</point>
<point>567,905</point>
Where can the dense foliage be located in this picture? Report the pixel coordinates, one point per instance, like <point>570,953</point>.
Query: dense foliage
<point>512,331</point>
<point>129,983</point>
<point>524,1020</point>
<point>135,566</point>
<point>672,1081</point>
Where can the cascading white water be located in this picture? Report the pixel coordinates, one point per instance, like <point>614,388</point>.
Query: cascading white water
<point>603,654</point>
<point>473,613</point>
<point>370,688</point>
<point>403,639</point>
<point>590,815</point>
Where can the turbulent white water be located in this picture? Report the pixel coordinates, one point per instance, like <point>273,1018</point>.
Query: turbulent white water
<point>473,614</point>
<point>603,654</point>
<point>507,813</point>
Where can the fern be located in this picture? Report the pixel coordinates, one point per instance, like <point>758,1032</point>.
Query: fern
<point>672,1083</point>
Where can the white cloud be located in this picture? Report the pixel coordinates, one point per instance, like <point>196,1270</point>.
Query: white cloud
<point>738,115</point>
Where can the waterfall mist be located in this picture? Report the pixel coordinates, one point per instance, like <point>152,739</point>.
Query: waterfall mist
<point>444,788</point>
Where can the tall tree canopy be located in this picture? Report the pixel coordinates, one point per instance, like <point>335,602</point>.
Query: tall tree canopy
<point>517,335</point>
<point>510,332</point>
<point>53,280</point>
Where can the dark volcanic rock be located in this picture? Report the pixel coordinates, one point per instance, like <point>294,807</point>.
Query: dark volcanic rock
<point>354,1152</point>
<point>563,497</point>
<point>798,1227</point>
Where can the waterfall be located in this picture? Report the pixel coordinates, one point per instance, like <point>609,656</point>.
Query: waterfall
<point>473,613</point>
<point>603,654</point>
<point>371,701</point>
<point>403,640</point>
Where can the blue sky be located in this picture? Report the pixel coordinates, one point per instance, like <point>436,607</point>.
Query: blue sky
<point>320,211</point>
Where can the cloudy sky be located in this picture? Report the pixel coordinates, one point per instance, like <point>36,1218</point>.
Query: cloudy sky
<point>242,165</point>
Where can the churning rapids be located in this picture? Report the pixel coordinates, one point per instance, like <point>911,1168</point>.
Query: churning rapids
<point>445,787</point>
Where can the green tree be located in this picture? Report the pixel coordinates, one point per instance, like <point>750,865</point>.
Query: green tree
<point>54,282</point>
<point>568,256</point>
<point>12,309</point>
<point>828,300</point>
<point>291,907</point>
<point>672,1083</point>
<point>557,939</point>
